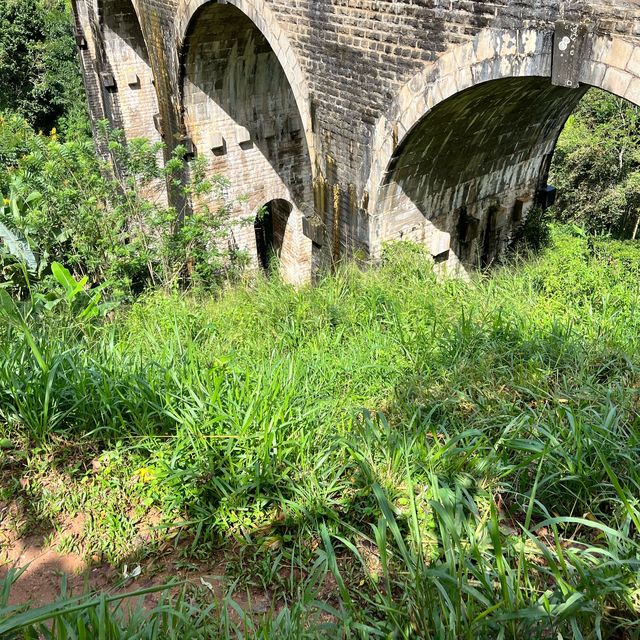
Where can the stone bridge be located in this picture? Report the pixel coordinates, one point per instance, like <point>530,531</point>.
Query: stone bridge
<point>357,122</point>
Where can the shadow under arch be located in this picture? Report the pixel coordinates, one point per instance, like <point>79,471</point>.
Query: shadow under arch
<point>461,154</point>
<point>261,15</point>
<point>125,74</point>
<point>241,117</point>
<point>467,174</point>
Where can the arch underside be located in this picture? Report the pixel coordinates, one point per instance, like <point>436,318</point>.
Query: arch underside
<point>241,115</point>
<point>127,80</point>
<point>466,175</point>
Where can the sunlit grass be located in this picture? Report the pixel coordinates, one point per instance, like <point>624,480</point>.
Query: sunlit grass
<point>461,458</point>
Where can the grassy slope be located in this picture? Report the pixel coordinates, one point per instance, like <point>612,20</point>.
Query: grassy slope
<point>462,457</point>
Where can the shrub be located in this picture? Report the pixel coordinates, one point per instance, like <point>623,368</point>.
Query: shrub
<point>39,71</point>
<point>111,226</point>
<point>597,167</point>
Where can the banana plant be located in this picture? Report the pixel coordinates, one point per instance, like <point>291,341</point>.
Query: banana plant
<point>75,290</point>
<point>17,314</point>
<point>17,246</point>
<point>11,313</point>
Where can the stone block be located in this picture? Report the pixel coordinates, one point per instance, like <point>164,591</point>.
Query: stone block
<point>190,147</point>
<point>108,80</point>
<point>313,228</point>
<point>616,81</point>
<point>633,92</point>
<point>268,129</point>
<point>243,136</point>
<point>633,66</point>
<point>440,243</point>
<point>157,123</point>
<point>81,41</point>
<point>568,47</point>
<point>217,142</point>
<point>593,73</point>
<point>618,53</point>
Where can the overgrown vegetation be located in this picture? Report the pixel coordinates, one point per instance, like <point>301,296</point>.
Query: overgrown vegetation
<point>114,228</point>
<point>384,454</point>
<point>39,71</point>
<point>381,455</point>
<point>597,167</point>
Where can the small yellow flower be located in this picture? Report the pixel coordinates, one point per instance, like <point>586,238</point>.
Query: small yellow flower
<point>6,202</point>
<point>145,475</point>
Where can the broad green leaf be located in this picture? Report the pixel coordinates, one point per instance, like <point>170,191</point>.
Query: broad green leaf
<point>18,247</point>
<point>63,276</point>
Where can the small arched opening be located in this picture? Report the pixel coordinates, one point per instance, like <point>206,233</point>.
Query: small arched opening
<point>274,241</point>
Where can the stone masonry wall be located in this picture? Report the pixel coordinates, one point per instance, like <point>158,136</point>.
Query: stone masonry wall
<point>241,117</point>
<point>126,78</point>
<point>359,71</point>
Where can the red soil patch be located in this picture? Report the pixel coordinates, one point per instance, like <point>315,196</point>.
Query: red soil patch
<point>46,569</point>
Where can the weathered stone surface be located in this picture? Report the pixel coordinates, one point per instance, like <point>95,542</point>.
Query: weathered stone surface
<point>568,46</point>
<point>419,119</point>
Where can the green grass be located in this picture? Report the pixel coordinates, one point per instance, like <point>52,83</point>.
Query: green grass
<point>385,454</point>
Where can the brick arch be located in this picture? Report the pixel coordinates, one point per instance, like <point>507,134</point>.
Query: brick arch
<point>126,76</point>
<point>240,115</point>
<point>262,17</point>
<point>294,247</point>
<point>277,219</point>
<point>613,64</point>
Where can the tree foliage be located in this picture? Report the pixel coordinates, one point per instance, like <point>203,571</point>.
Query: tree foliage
<point>39,72</point>
<point>597,166</point>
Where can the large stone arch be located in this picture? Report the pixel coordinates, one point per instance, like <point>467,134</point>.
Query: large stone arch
<point>468,141</point>
<point>259,12</point>
<point>241,116</point>
<point>126,78</point>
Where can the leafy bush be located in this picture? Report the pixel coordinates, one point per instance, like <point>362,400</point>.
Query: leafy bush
<point>534,234</point>
<point>111,226</point>
<point>39,71</point>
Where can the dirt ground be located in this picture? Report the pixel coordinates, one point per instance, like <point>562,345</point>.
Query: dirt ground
<point>46,570</point>
<point>34,547</point>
